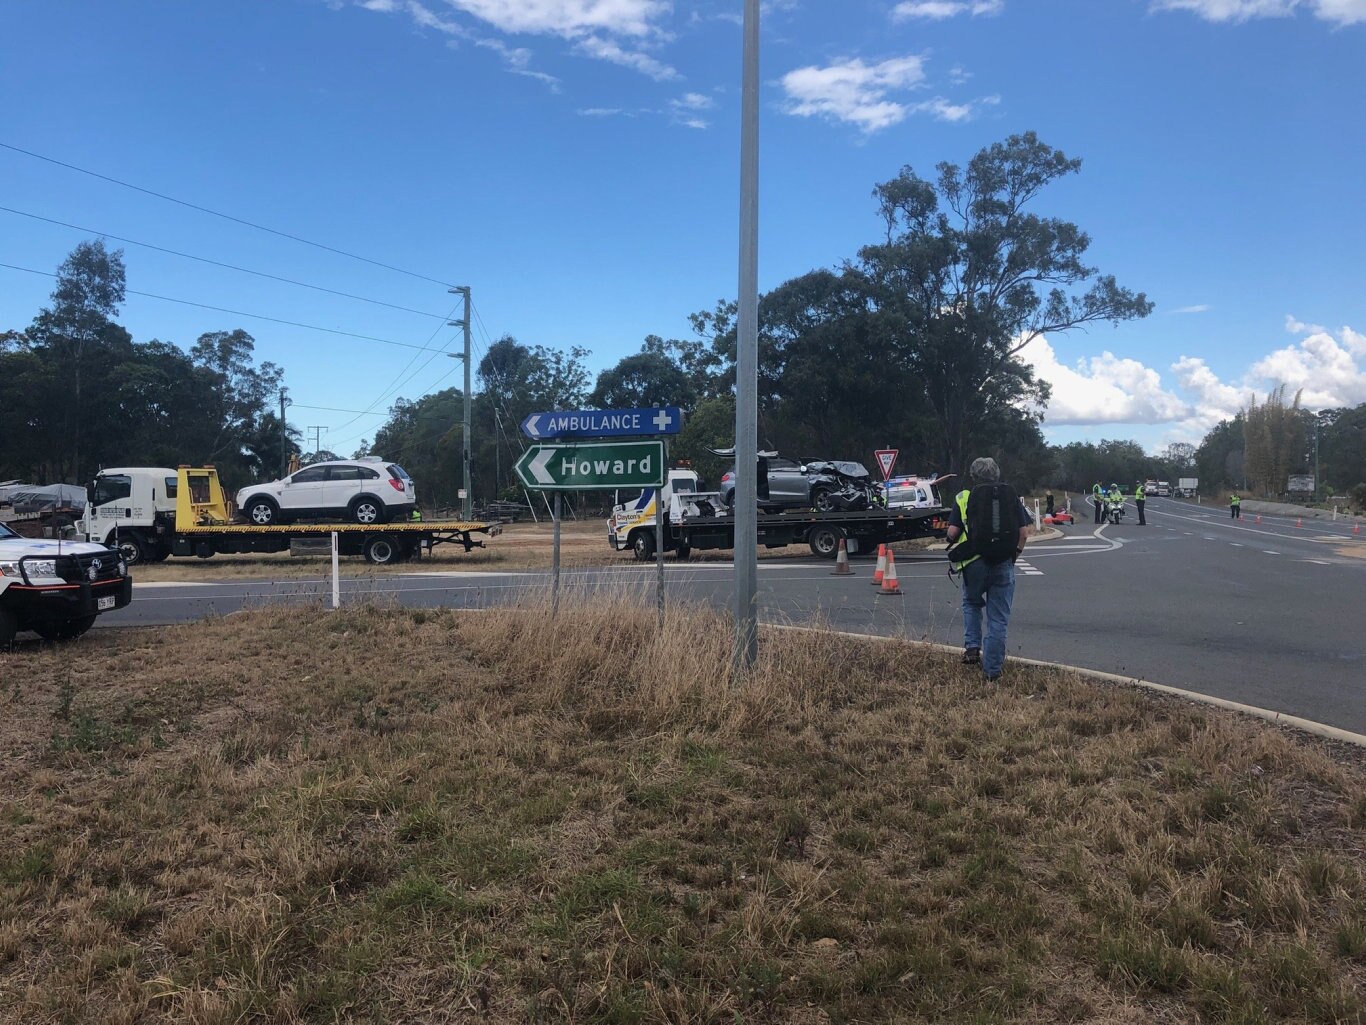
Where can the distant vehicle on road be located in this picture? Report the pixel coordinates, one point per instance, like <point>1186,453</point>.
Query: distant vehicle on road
<point>1163,489</point>
<point>1187,487</point>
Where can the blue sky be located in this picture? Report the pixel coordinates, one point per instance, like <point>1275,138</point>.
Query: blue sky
<point>576,163</point>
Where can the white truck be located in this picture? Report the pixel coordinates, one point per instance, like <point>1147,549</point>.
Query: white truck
<point>1187,487</point>
<point>695,519</point>
<point>57,588</point>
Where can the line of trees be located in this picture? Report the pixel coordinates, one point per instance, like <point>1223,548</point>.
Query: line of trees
<point>915,342</point>
<point>77,392</point>
<point>1266,442</point>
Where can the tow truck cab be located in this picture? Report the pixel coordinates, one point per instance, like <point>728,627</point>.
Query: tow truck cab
<point>132,509</point>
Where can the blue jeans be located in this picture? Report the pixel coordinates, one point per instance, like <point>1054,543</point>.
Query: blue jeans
<point>991,588</point>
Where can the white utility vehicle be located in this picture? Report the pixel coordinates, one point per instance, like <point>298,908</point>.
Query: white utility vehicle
<point>57,588</point>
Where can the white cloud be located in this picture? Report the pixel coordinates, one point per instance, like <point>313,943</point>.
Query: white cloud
<point>570,19</point>
<point>617,31</point>
<point>1104,389</point>
<point>612,52</point>
<point>686,110</point>
<point>1197,308</point>
<point>1330,371</point>
<point>1337,12</point>
<point>854,92</point>
<point>1328,367</point>
<point>603,112</point>
<point>938,10</point>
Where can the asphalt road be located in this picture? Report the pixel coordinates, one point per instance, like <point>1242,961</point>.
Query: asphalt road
<point>1266,613</point>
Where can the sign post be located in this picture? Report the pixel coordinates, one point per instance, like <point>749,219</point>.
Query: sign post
<point>597,466</point>
<point>555,560</point>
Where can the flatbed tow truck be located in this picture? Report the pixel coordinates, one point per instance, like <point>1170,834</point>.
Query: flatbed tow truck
<point>185,513</point>
<point>700,520</point>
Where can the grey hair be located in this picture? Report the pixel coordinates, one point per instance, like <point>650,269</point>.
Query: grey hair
<point>985,470</point>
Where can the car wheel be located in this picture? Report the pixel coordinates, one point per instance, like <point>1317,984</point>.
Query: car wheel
<point>64,630</point>
<point>262,512</point>
<point>822,499</point>
<point>367,511</point>
<point>381,551</point>
<point>9,626</point>
<point>643,545</point>
<point>133,550</point>
<point>824,542</point>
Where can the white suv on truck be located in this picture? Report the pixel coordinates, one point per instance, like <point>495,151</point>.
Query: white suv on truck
<point>57,588</point>
<point>370,490</point>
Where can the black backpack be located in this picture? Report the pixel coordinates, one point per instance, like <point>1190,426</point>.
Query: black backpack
<point>993,525</point>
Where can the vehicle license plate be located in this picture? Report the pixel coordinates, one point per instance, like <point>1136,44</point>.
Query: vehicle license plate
<point>105,603</point>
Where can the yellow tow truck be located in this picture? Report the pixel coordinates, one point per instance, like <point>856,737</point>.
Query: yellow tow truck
<point>152,513</point>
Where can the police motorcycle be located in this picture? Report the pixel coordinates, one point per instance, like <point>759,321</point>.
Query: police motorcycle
<point>1114,507</point>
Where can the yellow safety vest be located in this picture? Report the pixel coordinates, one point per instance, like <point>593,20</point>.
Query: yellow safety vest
<point>1235,500</point>
<point>1140,495</point>
<point>962,501</point>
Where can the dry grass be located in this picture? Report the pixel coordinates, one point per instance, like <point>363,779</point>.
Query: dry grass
<point>414,816</point>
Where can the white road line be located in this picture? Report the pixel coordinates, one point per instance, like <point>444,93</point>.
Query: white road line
<point>1235,544</point>
<point>1317,562</point>
<point>1267,552</point>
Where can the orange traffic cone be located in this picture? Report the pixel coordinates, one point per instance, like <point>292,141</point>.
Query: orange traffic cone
<point>1356,529</point>
<point>1259,518</point>
<point>842,561</point>
<point>889,582</point>
<point>881,565</point>
<point>1299,522</point>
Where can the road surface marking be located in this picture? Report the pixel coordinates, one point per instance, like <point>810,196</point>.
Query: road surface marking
<point>1235,544</point>
<point>1266,552</point>
<point>1025,568</point>
<point>1317,562</point>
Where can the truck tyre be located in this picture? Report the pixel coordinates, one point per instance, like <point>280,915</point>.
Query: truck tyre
<point>9,626</point>
<point>65,629</point>
<point>643,545</point>
<point>262,512</point>
<point>367,510</point>
<point>133,549</point>
<point>825,541</point>
<point>382,550</point>
<point>821,499</point>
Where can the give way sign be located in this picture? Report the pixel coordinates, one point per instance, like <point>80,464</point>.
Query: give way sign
<point>886,459</point>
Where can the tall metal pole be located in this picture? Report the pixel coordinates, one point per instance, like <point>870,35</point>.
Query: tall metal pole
<point>467,508</point>
<point>747,363</point>
<point>469,493</point>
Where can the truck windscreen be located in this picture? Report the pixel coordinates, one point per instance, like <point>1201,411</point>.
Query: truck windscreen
<point>112,488</point>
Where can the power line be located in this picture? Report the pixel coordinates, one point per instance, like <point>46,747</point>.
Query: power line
<point>218,263</point>
<point>216,213</point>
<point>395,383</point>
<point>242,313</point>
<point>333,409</point>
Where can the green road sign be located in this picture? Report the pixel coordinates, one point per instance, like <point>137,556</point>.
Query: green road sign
<point>593,466</point>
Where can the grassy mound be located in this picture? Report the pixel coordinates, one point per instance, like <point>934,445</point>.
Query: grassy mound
<point>408,816</point>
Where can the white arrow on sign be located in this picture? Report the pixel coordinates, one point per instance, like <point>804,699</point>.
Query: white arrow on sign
<point>537,467</point>
<point>533,426</point>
